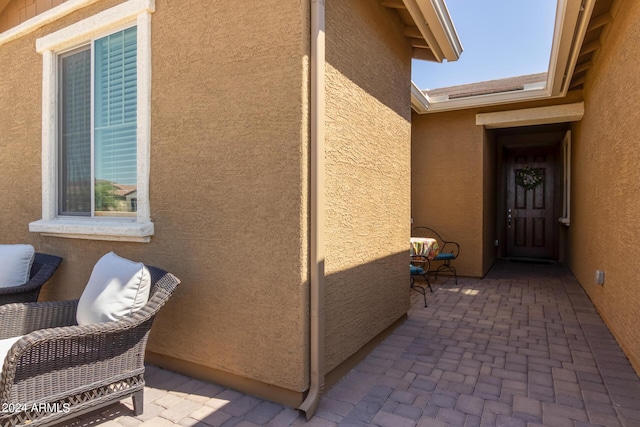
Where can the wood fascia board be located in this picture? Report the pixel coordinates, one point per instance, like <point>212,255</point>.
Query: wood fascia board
<point>421,23</point>
<point>439,20</point>
<point>582,67</point>
<point>577,82</point>
<point>590,47</point>
<point>600,21</point>
<point>423,54</point>
<point>412,32</point>
<point>433,21</point>
<point>393,4</point>
<point>531,116</point>
<point>419,43</point>
<point>567,13</point>
<point>419,101</point>
<point>572,20</point>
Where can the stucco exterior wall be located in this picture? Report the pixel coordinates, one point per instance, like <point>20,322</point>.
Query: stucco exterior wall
<point>605,187</point>
<point>454,172</point>
<point>228,182</point>
<point>18,11</point>
<point>447,182</point>
<point>367,174</point>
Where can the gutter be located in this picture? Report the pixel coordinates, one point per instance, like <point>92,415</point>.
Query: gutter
<point>317,201</point>
<point>419,100</point>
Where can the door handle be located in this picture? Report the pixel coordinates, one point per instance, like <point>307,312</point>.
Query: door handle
<point>509,218</point>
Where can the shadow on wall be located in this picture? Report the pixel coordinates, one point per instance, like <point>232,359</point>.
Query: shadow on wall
<point>362,301</point>
<point>365,44</point>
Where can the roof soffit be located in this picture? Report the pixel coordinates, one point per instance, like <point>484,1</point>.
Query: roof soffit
<point>581,26</point>
<point>429,28</point>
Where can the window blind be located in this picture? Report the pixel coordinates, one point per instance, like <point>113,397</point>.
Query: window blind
<point>75,132</point>
<point>115,119</point>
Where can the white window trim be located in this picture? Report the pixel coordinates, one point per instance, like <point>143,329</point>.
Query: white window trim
<point>566,180</point>
<point>44,18</point>
<point>141,228</point>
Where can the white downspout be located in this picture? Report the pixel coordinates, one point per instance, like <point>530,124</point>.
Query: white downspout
<point>317,201</point>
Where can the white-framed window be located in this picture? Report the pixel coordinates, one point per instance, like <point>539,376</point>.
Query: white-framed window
<point>96,126</point>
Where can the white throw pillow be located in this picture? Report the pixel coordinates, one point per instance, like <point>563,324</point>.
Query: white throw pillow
<point>5,346</point>
<point>117,287</point>
<point>15,264</point>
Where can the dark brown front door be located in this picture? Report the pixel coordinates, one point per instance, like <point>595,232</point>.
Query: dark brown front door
<point>530,213</point>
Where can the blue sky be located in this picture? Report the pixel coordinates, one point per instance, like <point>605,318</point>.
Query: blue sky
<point>501,38</point>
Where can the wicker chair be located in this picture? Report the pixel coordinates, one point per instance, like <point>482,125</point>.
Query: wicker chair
<point>448,250</point>
<point>59,370</point>
<point>42,269</point>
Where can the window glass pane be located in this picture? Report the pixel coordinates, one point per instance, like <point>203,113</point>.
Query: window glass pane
<point>115,124</point>
<point>75,133</point>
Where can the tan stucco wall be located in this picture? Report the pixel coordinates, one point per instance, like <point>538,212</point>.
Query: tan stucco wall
<point>228,182</point>
<point>367,177</point>
<point>606,183</point>
<point>447,182</point>
<point>453,179</point>
<point>18,11</point>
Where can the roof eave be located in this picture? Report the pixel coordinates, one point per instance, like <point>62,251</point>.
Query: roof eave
<point>419,101</point>
<point>483,100</point>
<point>572,19</point>
<point>434,22</point>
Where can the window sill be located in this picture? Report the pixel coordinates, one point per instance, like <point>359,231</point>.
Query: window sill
<point>94,229</point>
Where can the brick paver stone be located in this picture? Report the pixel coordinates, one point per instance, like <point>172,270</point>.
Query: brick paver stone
<point>181,410</point>
<point>470,405</point>
<point>384,419</point>
<point>521,347</point>
<point>284,418</point>
<point>527,408</point>
<point>158,422</point>
<point>408,411</point>
<point>264,412</point>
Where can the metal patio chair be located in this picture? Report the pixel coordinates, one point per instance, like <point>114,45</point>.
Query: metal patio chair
<point>449,251</point>
<point>42,269</point>
<point>420,270</point>
<point>59,370</point>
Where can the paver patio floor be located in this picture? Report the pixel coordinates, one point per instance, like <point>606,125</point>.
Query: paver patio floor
<point>522,347</point>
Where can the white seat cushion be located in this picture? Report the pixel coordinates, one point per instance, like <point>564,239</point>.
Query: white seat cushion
<point>15,264</point>
<point>117,287</point>
<point>5,346</point>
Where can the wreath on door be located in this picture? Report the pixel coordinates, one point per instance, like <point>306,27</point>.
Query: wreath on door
<point>529,178</point>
